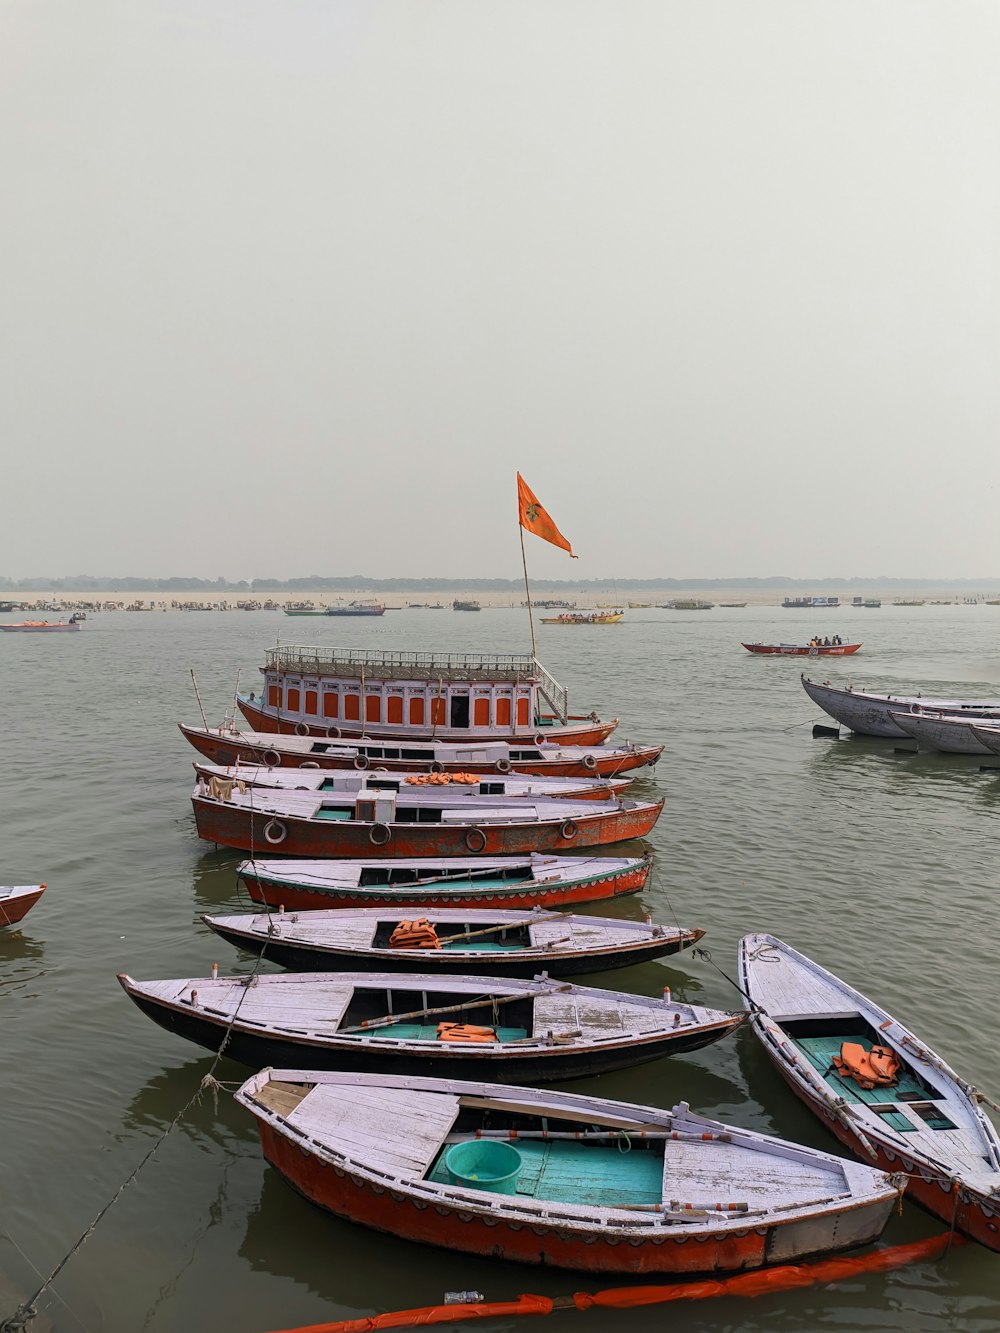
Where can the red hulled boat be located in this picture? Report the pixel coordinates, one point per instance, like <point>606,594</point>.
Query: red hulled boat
<point>17,901</point>
<point>468,882</point>
<point>803,649</point>
<point>224,745</point>
<point>415,823</point>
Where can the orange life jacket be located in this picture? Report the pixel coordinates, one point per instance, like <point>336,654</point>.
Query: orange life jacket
<point>870,1069</point>
<point>466,1032</point>
<point>419,934</point>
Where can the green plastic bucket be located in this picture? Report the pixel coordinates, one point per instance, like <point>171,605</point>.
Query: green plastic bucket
<point>484,1164</point>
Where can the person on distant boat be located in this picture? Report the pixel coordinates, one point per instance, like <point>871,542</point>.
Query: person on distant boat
<point>826,642</point>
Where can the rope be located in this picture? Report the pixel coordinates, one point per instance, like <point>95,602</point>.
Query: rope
<point>27,1310</point>
<point>704,953</point>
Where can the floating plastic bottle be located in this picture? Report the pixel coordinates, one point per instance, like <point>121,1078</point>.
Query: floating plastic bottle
<point>464,1298</point>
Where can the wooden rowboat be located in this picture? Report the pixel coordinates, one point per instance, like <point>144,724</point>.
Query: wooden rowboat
<point>40,627</point>
<point>585,618</point>
<point>803,649</point>
<point>465,1026</point>
<point>466,882</point>
<point>17,901</point>
<point>926,1121</point>
<point>502,943</point>
<point>412,824</point>
<point>223,745</point>
<point>584,1182</point>
<point>504,785</point>
<point>869,714</point>
<point>941,731</point>
<point>988,736</point>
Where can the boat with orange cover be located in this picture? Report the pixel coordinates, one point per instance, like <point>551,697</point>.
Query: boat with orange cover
<point>548,1177</point>
<point>41,627</point>
<point>333,692</point>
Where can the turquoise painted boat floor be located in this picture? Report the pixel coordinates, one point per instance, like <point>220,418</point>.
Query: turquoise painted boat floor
<point>581,1173</point>
<point>479,946</point>
<point>428,1032</point>
<point>820,1052</point>
<point>323,813</point>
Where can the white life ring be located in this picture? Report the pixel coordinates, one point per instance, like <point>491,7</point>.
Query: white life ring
<point>274,832</point>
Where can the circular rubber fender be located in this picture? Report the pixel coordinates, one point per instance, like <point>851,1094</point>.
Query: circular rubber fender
<point>333,733</point>
<point>538,739</point>
<point>309,763</point>
<point>361,761</point>
<point>379,834</point>
<point>301,729</point>
<point>590,761</point>
<point>475,839</point>
<point>569,829</point>
<point>436,766</point>
<point>275,832</point>
<point>502,765</point>
<point>272,758</point>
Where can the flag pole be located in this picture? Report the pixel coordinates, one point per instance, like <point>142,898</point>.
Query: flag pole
<point>527,590</point>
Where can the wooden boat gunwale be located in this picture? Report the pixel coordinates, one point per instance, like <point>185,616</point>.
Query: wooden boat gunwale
<point>17,900</point>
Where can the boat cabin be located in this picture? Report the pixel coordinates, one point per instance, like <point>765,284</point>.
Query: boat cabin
<point>490,695</point>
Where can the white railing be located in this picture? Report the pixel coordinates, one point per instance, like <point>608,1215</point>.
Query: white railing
<point>324,660</point>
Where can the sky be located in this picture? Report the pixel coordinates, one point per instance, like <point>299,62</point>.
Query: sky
<point>297,287</point>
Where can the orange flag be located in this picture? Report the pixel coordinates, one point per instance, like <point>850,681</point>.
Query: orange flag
<point>532,516</point>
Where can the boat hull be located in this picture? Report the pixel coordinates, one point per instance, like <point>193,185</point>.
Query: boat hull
<point>230,825</point>
<point>515,893</point>
<point>228,747</point>
<point>802,649</point>
<point>577,731</point>
<point>16,903</point>
<point>870,714</point>
<point>349,1195</point>
<point>70,627</point>
<point>949,735</point>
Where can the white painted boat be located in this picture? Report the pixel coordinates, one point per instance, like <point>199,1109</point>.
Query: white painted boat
<point>925,1120</point>
<point>450,940</point>
<point>939,731</point>
<point>989,736</point>
<point>214,776</point>
<point>507,1029</point>
<point>585,1183</point>
<point>869,714</point>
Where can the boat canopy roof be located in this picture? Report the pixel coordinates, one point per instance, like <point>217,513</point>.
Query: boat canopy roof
<point>350,663</point>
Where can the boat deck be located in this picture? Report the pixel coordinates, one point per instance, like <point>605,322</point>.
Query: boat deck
<point>575,1173</point>
<point>355,1120</point>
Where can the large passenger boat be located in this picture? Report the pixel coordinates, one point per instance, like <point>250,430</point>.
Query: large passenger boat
<point>332,692</point>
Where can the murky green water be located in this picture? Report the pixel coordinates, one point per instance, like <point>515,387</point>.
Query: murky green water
<point>880,865</point>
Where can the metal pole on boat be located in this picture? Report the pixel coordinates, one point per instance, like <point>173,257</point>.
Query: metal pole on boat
<point>527,591</point>
<point>197,695</point>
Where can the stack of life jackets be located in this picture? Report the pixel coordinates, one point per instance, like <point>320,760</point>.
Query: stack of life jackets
<point>419,934</point>
<point>876,1068</point>
<point>466,1032</point>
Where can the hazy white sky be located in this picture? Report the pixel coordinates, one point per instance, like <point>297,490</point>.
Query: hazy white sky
<point>296,287</point>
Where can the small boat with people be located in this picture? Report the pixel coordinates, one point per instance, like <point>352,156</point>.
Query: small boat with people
<point>17,900</point>
<point>533,880</point>
<point>466,784</point>
<point>585,618</point>
<point>507,1029</point>
<point>360,607</point>
<point>446,941</point>
<point>226,745</point>
<point>870,714</point>
<point>41,627</point>
<point>882,1091</point>
<point>542,1176</point>
<point>825,647</point>
<point>334,692</point>
<point>412,823</point>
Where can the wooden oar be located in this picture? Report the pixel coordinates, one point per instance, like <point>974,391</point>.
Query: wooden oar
<point>586,1135</point>
<point>387,1019</point>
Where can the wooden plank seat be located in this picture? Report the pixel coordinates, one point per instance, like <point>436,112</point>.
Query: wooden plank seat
<point>394,1130</point>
